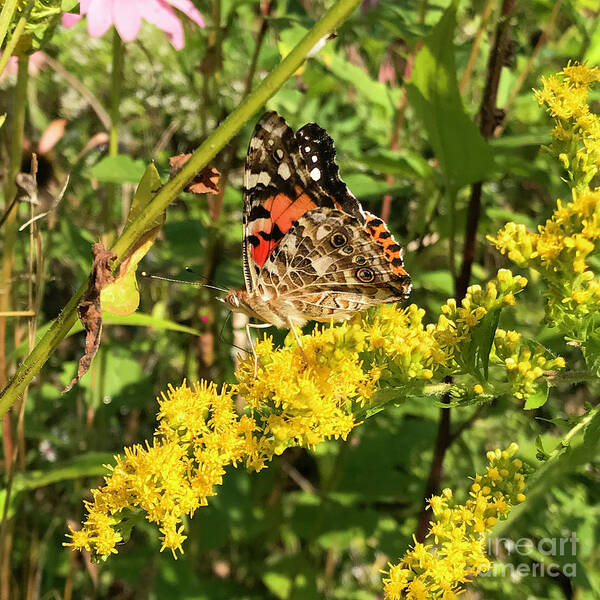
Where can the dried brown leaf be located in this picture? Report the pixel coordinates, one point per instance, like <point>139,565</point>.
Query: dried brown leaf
<point>205,182</point>
<point>89,309</point>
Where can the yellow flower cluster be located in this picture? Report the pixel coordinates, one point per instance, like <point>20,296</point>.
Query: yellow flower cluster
<point>523,366</point>
<point>300,395</point>
<point>409,350</point>
<point>454,552</point>
<point>199,434</point>
<point>561,251</point>
<point>576,133</point>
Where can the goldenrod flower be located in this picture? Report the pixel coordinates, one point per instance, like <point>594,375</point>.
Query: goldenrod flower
<point>453,552</point>
<point>299,396</point>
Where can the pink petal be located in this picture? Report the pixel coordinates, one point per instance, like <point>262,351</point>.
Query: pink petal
<point>36,62</point>
<point>99,17</point>
<point>84,6</point>
<point>69,19</point>
<point>164,18</point>
<point>52,135</point>
<point>188,9</point>
<point>128,19</point>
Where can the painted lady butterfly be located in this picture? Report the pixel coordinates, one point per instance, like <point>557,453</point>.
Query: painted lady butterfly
<point>310,251</point>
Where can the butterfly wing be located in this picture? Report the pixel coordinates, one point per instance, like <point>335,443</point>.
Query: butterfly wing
<point>331,265</point>
<point>278,190</point>
<point>287,175</point>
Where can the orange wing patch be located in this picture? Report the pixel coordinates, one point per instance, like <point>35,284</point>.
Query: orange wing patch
<point>392,250</point>
<point>283,213</point>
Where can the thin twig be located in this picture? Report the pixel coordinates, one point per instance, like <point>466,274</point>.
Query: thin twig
<point>83,90</point>
<point>516,88</point>
<point>485,15</point>
<point>386,205</point>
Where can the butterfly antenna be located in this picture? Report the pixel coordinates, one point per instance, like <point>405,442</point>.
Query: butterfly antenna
<point>197,284</point>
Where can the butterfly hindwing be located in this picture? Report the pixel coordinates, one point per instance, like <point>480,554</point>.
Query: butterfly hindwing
<point>329,263</point>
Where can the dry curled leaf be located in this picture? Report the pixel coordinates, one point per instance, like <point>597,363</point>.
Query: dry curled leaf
<point>89,309</point>
<point>205,182</point>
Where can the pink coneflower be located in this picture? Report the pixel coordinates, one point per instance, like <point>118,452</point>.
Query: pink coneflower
<point>127,15</point>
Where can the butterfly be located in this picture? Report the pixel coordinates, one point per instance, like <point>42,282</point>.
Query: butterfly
<point>310,251</point>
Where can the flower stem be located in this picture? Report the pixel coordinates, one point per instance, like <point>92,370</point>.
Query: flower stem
<point>116,88</point>
<point>15,151</point>
<point>199,159</point>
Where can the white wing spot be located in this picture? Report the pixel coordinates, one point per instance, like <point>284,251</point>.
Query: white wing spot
<point>263,178</point>
<point>279,153</point>
<point>284,171</point>
<point>306,148</point>
<point>315,174</point>
<point>314,158</point>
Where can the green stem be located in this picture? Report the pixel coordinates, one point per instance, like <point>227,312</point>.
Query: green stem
<point>201,157</point>
<point>116,87</point>
<point>10,192</point>
<point>6,17</point>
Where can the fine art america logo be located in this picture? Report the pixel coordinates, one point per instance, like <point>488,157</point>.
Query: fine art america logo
<point>546,557</point>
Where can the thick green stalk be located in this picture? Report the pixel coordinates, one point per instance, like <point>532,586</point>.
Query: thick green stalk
<point>201,157</point>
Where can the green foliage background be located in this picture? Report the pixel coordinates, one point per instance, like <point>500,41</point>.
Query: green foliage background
<point>322,523</point>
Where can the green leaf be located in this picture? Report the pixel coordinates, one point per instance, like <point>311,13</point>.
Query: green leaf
<point>149,184</point>
<point>591,350</point>
<point>539,398</point>
<point>122,297</point>
<point>433,92</point>
<point>118,169</point>
<point>90,464</point>
<point>134,320</point>
<point>375,92</point>
<point>483,338</point>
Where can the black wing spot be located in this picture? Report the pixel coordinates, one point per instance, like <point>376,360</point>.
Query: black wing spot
<point>259,212</point>
<point>253,240</point>
<point>397,262</point>
<point>375,223</point>
<point>394,247</point>
<point>365,275</point>
<point>384,235</point>
<point>274,235</point>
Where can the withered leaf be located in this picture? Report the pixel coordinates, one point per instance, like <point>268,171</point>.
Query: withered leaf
<point>205,182</point>
<point>89,309</point>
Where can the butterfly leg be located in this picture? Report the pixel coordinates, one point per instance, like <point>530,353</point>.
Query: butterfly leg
<point>293,328</point>
<point>251,341</point>
<point>255,326</point>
